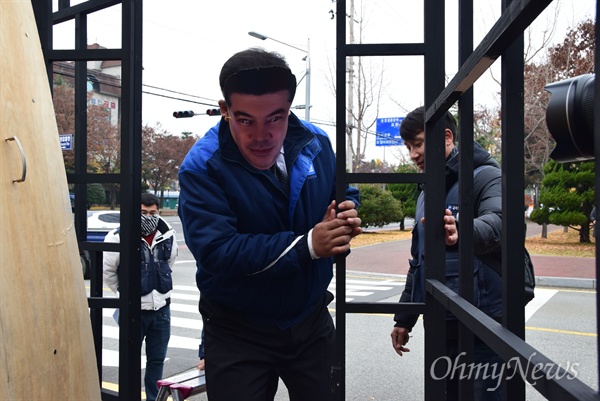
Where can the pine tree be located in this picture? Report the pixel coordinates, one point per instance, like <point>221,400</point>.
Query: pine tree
<point>567,196</point>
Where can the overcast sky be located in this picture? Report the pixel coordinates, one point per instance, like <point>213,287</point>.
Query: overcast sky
<point>186,43</point>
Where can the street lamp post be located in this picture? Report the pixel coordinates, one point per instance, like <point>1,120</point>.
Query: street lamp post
<point>307,74</point>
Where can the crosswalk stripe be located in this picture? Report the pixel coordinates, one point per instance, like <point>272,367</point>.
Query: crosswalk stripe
<point>185,288</point>
<point>186,323</point>
<point>367,287</point>
<point>111,358</point>
<point>364,288</point>
<point>187,297</point>
<point>174,341</point>
<point>175,306</point>
<point>359,293</point>
<point>542,295</point>
<point>189,262</point>
<point>371,282</point>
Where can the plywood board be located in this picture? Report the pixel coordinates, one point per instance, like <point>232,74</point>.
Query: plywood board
<point>46,348</point>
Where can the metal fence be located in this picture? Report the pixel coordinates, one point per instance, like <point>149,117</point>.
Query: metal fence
<point>505,41</point>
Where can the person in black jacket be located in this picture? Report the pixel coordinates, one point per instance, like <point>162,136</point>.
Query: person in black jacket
<point>487,237</point>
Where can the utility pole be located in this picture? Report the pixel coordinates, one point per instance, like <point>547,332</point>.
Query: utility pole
<point>350,102</point>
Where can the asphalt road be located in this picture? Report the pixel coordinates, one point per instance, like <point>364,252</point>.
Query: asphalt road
<point>375,372</point>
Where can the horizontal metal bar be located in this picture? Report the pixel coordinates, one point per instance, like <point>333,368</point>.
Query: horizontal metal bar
<point>85,55</point>
<point>100,246</point>
<point>389,178</point>
<point>85,178</point>
<point>518,16</point>
<point>87,7</point>
<point>384,49</point>
<point>549,378</point>
<point>101,302</point>
<point>383,307</point>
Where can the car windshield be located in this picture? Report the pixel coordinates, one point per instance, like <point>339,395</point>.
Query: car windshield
<point>104,216</point>
<point>109,217</point>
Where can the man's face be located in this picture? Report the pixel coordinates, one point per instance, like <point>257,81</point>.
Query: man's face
<point>149,210</point>
<point>258,125</point>
<point>416,150</point>
<point>416,147</point>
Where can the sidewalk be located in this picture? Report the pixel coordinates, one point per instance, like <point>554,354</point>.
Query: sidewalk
<point>562,271</point>
<point>391,258</point>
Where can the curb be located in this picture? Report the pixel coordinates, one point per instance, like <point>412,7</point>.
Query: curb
<point>566,282</point>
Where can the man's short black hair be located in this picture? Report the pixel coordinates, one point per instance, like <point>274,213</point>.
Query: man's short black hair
<point>414,123</point>
<point>256,71</point>
<point>149,200</point>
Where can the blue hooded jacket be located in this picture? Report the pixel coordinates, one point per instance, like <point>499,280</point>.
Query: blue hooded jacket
<point>248,238</point>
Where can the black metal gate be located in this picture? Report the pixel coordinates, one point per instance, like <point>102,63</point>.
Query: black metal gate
<point>505,40</point>
<point>128,180</point>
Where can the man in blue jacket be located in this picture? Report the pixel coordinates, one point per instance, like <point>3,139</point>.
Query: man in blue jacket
<point>258,209</point>
<point>487,241</point>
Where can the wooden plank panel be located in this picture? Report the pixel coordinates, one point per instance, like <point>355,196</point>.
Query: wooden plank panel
<point>46,348</point>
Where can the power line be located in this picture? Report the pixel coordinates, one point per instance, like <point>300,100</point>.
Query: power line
<point>152,93</point>
<point>179,93</point>
<point>180,99</point>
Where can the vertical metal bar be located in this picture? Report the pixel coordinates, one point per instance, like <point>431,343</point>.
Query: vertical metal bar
<point>42,10</point>
<point>81,127</point>
<point>513,216</point>
<point>466,208</point>
<point>96,316</point>
<point>131,173</point>
<point>597,168</point>
<point>339,368</point>
<point>81,189</point>
<point>435,320</point>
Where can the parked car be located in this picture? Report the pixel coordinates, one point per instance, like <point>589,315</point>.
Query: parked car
<point>99,223</point>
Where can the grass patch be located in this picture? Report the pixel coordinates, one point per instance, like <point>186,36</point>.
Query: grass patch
<point>375,237</point>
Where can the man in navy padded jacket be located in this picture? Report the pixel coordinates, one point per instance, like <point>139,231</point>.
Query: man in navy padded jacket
<point>159,250</point>
<point>258,209</point>
<point>487,241</point>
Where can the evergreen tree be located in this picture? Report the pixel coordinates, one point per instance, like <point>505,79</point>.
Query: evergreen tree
<point>96,195</point>
<point>567,196</point>
<point>377,206</point>
<point>407,194</point>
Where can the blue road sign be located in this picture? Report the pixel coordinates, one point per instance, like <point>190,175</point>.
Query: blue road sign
<point>66,141</point>
<point>388,131</point>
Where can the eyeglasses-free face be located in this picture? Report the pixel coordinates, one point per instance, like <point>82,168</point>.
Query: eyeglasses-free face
<point>258,125</point>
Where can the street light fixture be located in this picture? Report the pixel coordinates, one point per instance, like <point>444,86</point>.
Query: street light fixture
<point>307,74</point>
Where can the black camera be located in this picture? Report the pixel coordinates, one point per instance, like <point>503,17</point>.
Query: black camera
<point>570,118</point>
